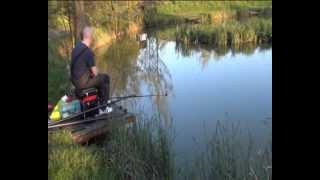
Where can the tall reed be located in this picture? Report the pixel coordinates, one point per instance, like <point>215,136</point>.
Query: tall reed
<point>232,154</point>
<point>231,33</point>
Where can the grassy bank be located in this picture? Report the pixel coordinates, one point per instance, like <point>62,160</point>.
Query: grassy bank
<point>203,12</point>
<point>194,7</point>
<point>231,33</point>
<point>142,152</point>
<point>153,19</point>
<point>67,160</point>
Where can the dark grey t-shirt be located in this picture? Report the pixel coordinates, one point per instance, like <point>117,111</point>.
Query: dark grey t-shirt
<point>82,59</point>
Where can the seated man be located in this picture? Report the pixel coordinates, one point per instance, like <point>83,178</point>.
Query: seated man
<point>84,73</point>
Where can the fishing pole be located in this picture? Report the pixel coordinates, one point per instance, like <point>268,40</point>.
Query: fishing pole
<point>81,121</point>
<point>118,99</point>
<point>86,111</point>
<point>136,96</point>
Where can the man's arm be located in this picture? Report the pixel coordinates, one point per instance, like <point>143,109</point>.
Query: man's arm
<point>94,70</point>
<point>91,64</point>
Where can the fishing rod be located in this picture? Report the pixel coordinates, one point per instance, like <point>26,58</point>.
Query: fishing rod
<point>136,96</point>
<point>51,126</point>
<point>85,111</point>
<point>117,99</point>
<point>81,121</point>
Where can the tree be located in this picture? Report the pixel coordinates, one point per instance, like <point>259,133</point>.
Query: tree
<point>78,18</point>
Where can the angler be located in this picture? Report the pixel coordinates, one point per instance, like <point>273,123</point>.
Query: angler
<point>84,73</point>
<point>89,102</point>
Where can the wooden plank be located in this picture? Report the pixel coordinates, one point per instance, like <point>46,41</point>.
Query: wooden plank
<point>101,127</point>
<point>82,132</point>
<point>89,131</point>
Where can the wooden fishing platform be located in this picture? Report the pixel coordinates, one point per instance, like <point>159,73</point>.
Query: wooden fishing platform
<point>84,132</point>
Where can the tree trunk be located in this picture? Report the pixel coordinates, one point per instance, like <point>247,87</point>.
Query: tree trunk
<point>78,19</point>
<point>70,22</point>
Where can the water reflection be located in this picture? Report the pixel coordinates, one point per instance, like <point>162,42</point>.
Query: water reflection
<point>134,67</point>
<point>217,52</point>
<point>137,68</point>
<point>119,60</point>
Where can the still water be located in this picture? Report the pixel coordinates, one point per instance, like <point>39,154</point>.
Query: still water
<point>204,86</point>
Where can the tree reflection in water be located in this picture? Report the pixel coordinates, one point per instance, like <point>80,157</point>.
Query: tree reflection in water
<point>134,67</point>
<point>216,53</point>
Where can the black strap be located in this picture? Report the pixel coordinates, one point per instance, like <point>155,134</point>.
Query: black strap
<point>77,57</point>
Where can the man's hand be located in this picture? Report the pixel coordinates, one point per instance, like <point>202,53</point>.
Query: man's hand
<point>94,70</point>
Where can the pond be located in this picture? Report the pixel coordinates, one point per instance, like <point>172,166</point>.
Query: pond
<point>204,86</point>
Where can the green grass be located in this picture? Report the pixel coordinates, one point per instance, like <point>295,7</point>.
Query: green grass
<point>141,152</point>
<point>71,161</point>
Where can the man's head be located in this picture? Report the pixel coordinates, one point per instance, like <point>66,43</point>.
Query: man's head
<point>87,35</point>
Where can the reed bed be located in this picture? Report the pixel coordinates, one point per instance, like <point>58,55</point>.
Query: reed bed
<point>231,33</point>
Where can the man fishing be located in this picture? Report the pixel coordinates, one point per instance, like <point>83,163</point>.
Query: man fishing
<point>84,73</point>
